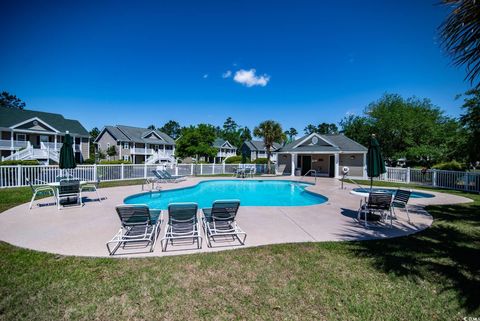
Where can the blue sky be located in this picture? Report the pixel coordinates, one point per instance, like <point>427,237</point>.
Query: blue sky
<point>144,62</point>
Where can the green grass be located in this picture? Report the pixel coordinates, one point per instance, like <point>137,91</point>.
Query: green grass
<point>432,275</point>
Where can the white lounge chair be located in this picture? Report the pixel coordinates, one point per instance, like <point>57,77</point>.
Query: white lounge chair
<point>182,224</point>
<point>139,225</point>
<point>41,191</point>
<point>220,220</point>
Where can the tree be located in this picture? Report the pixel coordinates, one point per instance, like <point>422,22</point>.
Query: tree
<point>412,128</point>
<point>151,127</point>
<point>290,134</point>
<point>93,135</point>
<point>271,132</point>
<point>460,33</point>
<point>310,129</point>
<point>172,129</point>
<point>471,121</point>
<point>325,128</point>
<point>196,142</point>
<point>11,101</point>
<point>112,151</point>
<point>230,126</point>
<point>245,134</point>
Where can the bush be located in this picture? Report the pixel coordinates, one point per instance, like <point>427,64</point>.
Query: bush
<point>260,161</point>
<point>89,161</point>
<point>19,162</point>
<point>450,166</point>
<point>235,160</point>
<point>111,162</point>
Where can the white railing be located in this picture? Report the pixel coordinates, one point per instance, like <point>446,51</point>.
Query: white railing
<point>143,151</point>
<point>7,144</point>
<point>457,180</point>
<point>14,176</point>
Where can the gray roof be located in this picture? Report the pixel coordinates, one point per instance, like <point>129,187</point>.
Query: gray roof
<point>339,142</point>
<point>136,134</point>
<point>11,116</point>
<point>218,143</point>
<point>258,145</point>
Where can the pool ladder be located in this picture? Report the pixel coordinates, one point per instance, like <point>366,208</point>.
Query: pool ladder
<point>311,171</point>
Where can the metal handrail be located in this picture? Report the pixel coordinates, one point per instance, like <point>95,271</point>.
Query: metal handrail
<point>313,171</point>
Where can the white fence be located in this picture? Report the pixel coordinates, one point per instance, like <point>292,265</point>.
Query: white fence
<point>13,176</point>
<point>465,181</point>
<point>17,175</point>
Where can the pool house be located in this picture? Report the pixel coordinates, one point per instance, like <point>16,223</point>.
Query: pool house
<point>322,155</point>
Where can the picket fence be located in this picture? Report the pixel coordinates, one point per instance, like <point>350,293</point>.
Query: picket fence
<point>19,175</point>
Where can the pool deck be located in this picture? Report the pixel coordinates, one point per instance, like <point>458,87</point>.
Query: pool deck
<point>83,231</point>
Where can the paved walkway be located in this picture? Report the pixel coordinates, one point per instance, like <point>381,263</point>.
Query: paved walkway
<point>83,231</point>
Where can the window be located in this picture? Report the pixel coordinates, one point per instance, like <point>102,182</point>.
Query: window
<point>126,145</point>
<point>108,145</point>
<point>126,157</point>
<point>22,137</point>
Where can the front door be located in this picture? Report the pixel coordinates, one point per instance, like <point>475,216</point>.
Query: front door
<point>331,171</point>
<point>306,164</point>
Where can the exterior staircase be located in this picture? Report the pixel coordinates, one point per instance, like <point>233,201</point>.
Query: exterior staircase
<point>159,157</point>
<point>31,153</point>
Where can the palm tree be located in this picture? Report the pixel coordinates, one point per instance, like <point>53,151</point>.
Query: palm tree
<point>271,132</point>
<point>460,33</point>
<point>292,132</point>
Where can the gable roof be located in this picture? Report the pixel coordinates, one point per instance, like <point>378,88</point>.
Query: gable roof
<point>258,145</point>
<point>219,142</point>
<point>330,143</point>
<point>10,117</point>
<point>137,135</point>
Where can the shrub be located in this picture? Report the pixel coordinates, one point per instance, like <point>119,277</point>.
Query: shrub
<point>89,161</point>
<point>236,160</point>
<point>260,161</point>
<point>19,162</point>
<point>111,162</point>
<point>450,166</point>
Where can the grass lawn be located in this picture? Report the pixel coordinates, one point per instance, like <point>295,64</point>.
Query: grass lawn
<point>433,275</point>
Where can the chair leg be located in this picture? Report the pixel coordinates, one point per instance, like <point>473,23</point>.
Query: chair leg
<point>33,198</point>
<point>408,214</point>
<point>98,196</point>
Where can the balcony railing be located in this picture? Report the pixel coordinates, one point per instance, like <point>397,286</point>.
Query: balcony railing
<point>17,144</point>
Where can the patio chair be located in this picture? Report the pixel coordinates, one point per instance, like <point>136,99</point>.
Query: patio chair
<point>92,187</point>
<point>177,178</point>
<point>69,189</point>
<point>42,191</point>
<point>220,220</point>
<point>400,200</point>
<point>139,224</point>
<point>377,202</point>
<point>161,177</point>
<point>182,224</point>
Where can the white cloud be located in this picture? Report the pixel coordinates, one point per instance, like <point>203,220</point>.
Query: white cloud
<point>227,74</point>
<point>250,79</point>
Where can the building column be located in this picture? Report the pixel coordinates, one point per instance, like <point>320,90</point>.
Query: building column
<point>365,166</point>
<point>120,147</point>
<point>55,142</point>
<point>293,164</point>
<point>11,140</point>
<point>337,165</point>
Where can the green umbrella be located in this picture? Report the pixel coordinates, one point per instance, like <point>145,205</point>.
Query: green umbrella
<point>67,155</point>
<point>375,162</point>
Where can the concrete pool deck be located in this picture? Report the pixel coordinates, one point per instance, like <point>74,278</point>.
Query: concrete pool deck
<point>83,231</point>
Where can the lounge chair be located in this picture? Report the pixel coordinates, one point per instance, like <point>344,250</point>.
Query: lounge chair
<point>379,203</point>
<point>67,190</point>
<point>41,191</point>
<point>182,224</point>
<point>400,200</point>
<point>92,187</point>
<point>220,220</point>
<point>139,225</point>
<point>177,178</point>
<point>161,177</point>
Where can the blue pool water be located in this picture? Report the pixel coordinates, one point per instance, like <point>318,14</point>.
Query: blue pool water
<point>250,193</point>
<point>392,191</point>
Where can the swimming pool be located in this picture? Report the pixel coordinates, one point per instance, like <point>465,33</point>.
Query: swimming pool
<point>414,194</point>
<point>249,192</point>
